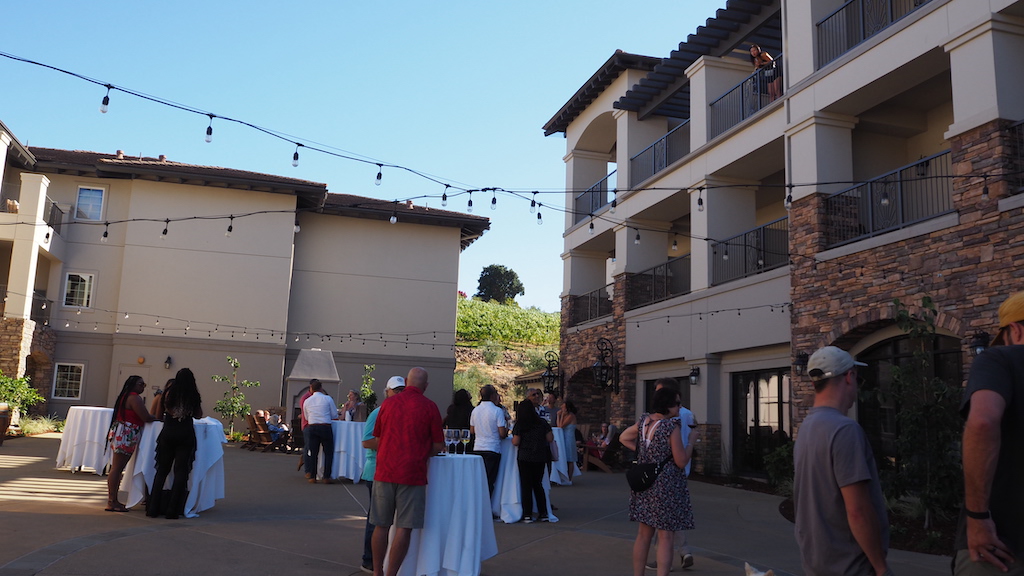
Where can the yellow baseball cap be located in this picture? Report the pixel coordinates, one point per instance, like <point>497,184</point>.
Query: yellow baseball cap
<point>1010,311</point>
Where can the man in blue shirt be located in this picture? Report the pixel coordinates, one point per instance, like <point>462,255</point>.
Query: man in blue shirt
<point>395,385</point>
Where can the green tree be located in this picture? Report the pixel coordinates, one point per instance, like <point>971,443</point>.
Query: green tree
<point>499,284</point>
<point>18,393</point>
<point>366,393</point>
<point>233,405</point>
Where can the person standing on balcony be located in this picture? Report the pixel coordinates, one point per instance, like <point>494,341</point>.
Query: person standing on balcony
<point>990,536</point>
<point>769,73</point>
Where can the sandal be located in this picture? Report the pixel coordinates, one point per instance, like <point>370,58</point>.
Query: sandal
<point>116,507</point>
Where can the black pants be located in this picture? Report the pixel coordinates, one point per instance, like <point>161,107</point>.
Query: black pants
<point>531,477</point>
<point>175,449</point>
<point>492,460</point>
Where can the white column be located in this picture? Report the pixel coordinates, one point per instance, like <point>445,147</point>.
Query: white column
<point>25,251</point>
<point>730,207</point>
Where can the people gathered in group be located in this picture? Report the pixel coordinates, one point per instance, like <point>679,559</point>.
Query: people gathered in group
<point>459,411</point>
<point>175,446</point>
<point>123,437</point>
<point>490,426</point>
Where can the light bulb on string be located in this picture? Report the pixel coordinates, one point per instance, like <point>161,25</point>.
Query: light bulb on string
<point>167,222</point>
<point>209,129</point>
<point>469,205</point>
<point>726,255</point>
<point>494,200</point>
<point>106,232</point>
<point>231,225</point>
<point>394,214</point>
<point>636,240</point>
<point>533,203</point>
<point>675,244</point>
<point>380,174</point>
<point>297,228</point>
<point>539,219</point>
<point>444,195</point>
<point>591,224</point>
<point>105,103</point>
<point>615,201</point>
<point>700,200</point>
<point>295,156</point>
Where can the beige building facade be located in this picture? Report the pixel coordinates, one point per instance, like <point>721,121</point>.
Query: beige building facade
<point>117,266</point>
<point>728,221</point>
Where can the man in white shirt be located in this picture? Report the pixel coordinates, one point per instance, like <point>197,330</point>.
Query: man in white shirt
<point>488,423</point>
<point>319,409</point>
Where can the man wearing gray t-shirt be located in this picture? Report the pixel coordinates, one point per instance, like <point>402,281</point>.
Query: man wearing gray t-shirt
<point>842,525</point>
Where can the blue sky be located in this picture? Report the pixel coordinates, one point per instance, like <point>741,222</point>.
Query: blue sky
<point>458,90</point>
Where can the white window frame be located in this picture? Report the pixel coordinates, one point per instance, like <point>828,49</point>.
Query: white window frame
<point>102,204</point>
<point>90,289</point>
<point>57,374</point>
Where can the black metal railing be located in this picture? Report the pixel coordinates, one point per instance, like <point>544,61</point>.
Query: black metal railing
<point>659,283</point>
<point>855,22</point>
<point>594,198</point>
<point>41,308</point>
<point>592,305</point>
<point>1016,166</point>
<point>54,215</point>
<point>752,252</point>
<point>905,196</point>
<point>656,157</point>
<point>745,99</point>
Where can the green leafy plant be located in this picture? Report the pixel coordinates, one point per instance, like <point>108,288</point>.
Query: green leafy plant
<point>479,321</point>
<point>233,405</point>
<point>500,284</point>
<point>18,393</point>
<point>471,381</point>
<point>32,425</point>
<point>493,351</point>
<point>366,393</point>
<point>779,465</point>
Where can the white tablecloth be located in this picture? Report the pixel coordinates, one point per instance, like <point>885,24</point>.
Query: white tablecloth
<point>566,459</point>
<point>205,483</point>
<point>507,501</point>
<point>457,533</point>
<point>84,439</point>
<point>349,454</point>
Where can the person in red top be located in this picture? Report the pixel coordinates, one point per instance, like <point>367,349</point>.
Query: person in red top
<point>408,432</point>
<point>125,431</point>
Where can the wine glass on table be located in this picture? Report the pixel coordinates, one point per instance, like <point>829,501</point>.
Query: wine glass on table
<point>448,441</point>
<point>465,439</point>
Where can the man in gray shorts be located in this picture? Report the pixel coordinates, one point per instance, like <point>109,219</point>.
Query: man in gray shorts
<point>408,432</point>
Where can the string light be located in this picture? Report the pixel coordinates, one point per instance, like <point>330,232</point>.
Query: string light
<point>394,214</point>
<point>167,222</point>
<point>533,203</point>
<point>297,228</point>
<point>444,195</point>
<point>700,199</point>
<point>469,206</point>
<point>591,224</point>
<point>636,241</point>
<point>984,190</point>
<point>726,255</point>
<point>105,103</point>
<point>615,201</point>
<point>209,130</point>
<point>231,226</point>
<point>675,243</point>
<point>539,219</point>
<point>106,232</point>
<point>789,196</point>
<point>380,174</point>
<point>494,200</point>
<point>295,156</point>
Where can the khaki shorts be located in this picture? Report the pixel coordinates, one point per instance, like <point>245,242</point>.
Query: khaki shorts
<point>963,566</point>
<point>398,504</point>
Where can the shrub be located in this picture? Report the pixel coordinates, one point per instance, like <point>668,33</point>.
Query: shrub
<point>233,405</point>
<point>494,352</point>
<point>779,465</point>
<point>32,425</point>
<point>18,393</point>
<point>471,381</point>
<point>479,321</point>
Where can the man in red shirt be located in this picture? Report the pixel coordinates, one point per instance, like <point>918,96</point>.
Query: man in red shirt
<point>408,432</point>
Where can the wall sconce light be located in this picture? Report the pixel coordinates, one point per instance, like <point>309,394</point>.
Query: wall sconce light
<point>606,374</point>
<point>551,375</point>
<point>167,363</point>
<point>694,375</point>
<point>141,359</point>
<point>800,363</point>
<point>979,342</point>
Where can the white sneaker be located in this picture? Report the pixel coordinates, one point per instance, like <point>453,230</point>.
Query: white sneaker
<point>687,560</point>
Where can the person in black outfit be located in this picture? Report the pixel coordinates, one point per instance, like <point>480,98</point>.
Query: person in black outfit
<point>532,434</point>
<point>459,410</point>
<point>176,446</point>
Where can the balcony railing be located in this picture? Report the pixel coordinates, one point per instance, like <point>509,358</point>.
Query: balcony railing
<point>905,196</point>
<point>658,156</point>
<point>54,215</point>
<point>745,99</point>
<point>1016,167</point>
<point>752,252</point>
<point>662,282</point>
<point>855,22</point>
<point>592,305</point>
<point>595,198</point>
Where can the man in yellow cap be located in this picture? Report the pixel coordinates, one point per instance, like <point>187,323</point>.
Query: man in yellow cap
<point>991,531</point>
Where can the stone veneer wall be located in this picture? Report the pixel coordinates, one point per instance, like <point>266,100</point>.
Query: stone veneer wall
<point>27,349</point>
<point>968,269</point>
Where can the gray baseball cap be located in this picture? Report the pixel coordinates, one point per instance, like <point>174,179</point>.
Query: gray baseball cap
<point>830,362</point>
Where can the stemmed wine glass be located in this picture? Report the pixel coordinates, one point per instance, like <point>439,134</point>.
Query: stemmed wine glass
<point>449,441</point>
<point>465,439</point>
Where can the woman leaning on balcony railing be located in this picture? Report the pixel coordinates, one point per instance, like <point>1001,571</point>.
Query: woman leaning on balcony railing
<point>770,77</point>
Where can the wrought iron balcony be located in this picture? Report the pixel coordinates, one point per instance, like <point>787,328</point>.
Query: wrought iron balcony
<point>907,195</point>
<point>659,283</point>
<point>656,157</point>
<point>855,22</point>
<point>759,250</point>
<point>594,198</point>
<point>54,215</point>
<point>592,305</point>
<point>1016,167</point>
<point>744,100</point>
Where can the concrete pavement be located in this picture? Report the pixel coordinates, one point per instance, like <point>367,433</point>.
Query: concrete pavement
<point>273,522</point>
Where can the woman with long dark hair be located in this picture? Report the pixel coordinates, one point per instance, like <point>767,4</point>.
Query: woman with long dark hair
<point>532,434</point>
<point>176,445</point>
<point>665,506</point>
<point>459,410</point>
<point>123,438</point>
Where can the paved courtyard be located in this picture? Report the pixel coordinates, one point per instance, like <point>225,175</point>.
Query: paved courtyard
<point>273,522</point>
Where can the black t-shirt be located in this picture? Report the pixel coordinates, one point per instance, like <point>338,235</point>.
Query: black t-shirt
<point>1001,369</point>
<point>533,442</point>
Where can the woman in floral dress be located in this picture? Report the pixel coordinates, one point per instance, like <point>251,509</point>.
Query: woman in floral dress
<point>665,506</point>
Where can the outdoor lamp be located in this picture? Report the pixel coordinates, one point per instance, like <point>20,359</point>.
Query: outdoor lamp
<point>979,342</point>
<point>800,363</point>
<point>551,376</point>
<point>167,363</point>
<point>694,375</point>
<point>606,375</point>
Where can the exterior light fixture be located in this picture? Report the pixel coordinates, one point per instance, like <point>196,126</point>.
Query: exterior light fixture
<point>167,363</point>
<point>694,376</point>
<point>606,374</point>
<point>979,342</point>
<point>551,377</point>
<point>800,363</point>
